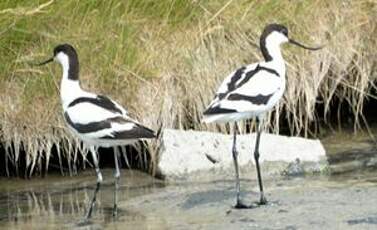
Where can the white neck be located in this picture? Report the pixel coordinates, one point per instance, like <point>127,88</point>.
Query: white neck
<point>69,89</point>
<point>274,50</point>
<point>272,45</point>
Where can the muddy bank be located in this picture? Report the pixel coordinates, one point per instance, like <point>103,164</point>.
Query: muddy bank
<point>314,202</point>
<point>310,203</point>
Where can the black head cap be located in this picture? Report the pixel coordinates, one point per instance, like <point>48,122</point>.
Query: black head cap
<point>65,48</point>
<point>275,27</point>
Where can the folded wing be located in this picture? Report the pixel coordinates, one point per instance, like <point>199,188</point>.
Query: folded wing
<point>101,118</point>
<point>247,89</point>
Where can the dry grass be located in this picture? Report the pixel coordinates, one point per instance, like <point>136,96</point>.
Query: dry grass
<point>164,60</point>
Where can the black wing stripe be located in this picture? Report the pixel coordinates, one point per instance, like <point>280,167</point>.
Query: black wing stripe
<point>89,127</point>
<point>248,75</point>
<point>232,84</point>
<point>251,73</point>
<point>270,70</point>
<point>218,110</point>
<point>256,100</point>
<point>101,101</point>
<point>138,131</point>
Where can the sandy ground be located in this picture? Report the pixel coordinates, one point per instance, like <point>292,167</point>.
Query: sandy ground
<point>316,202</point>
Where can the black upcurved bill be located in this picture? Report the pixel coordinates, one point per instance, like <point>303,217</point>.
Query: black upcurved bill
<point>304,46</point>
<point>45,62</point>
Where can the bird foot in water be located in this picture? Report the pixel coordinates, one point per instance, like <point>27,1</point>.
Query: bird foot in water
<point>262,201</point>
<point>115,211</point>
<point>241,205</point>
<point>84,223</point>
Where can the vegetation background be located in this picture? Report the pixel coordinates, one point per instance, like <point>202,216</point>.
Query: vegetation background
<point>164,59</point>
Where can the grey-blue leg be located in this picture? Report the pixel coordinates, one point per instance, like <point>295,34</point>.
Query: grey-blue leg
<point>116,182</point>
<point>262,199</point>
<point>239,203</point>
<point>99,181</point>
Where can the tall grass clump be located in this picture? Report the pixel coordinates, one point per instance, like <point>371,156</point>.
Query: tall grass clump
<point>164,60</point>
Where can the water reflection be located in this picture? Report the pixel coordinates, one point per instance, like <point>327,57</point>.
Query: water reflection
<point>62,202</point>
<point>29,203</point>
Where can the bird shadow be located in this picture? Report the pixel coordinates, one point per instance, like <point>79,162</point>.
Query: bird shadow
<point>210,197</point>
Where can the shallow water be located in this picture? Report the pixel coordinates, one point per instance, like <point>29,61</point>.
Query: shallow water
<point>346,202</point>
<point>58,202</point>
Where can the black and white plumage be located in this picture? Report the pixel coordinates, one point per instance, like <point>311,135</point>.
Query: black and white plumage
<point>247,92</point>
<point>95,119</point>
<point>251,91</point>
<point>99,121</point>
